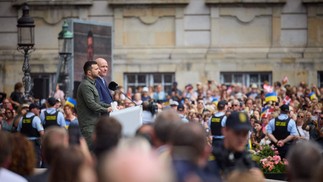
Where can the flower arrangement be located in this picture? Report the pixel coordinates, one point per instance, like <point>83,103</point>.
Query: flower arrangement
<point>269,160</point>
<point>273,164</point>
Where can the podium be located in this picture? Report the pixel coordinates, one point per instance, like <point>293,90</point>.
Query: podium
<point>130,118</point>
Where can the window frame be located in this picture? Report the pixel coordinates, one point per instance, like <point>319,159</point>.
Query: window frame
<point>245,77</point>
<point>149,80</point>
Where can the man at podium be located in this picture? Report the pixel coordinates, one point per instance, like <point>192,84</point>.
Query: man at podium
<point>100,83</point>
<point>89,107</point>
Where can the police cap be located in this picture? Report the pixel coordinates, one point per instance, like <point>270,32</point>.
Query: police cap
<point>221,104</point>
<point>284,108</point>
<point>51,101</point>
<point>33,106</point>
<point>238,121</point>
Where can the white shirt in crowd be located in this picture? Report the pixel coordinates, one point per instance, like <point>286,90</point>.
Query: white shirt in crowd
<point>303,133</point>
<point>6,175</point>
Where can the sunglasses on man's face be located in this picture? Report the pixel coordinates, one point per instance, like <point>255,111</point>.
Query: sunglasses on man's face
<point>300,116</point>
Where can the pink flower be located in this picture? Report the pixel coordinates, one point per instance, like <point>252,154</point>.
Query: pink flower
<point>277,159</point>
<point>264,160</point>
<point>271,168</point>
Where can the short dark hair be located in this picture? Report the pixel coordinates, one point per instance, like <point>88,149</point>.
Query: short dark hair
<point>165,123</point>
<point>302,164</point>
<point>277,83</point>
<point>88,66</point>
<point>18,86</point>
<point>144,133</point>
<point>53,140</point>
<point>71,158</point>
<point>191,136</point>
<point>108,133</point>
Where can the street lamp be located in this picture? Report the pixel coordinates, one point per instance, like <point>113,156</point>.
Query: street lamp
<point>65,38</point>
<point>26,37</point>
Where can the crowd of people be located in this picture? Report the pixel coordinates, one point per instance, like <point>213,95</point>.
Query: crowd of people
<point>201,133</point>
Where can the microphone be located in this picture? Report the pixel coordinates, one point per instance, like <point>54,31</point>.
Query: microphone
<point>114,86</point>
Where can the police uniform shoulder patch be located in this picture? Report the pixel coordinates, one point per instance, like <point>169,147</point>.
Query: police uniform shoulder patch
<point>242,117</point>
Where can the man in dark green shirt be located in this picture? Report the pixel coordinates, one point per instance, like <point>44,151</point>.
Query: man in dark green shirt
<point>89,107</point>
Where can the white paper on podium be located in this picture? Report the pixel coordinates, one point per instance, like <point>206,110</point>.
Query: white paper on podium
<point>130,119</point>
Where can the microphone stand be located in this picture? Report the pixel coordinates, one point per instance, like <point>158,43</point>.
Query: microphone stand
<point>128,97</point>
<point>114,87</point>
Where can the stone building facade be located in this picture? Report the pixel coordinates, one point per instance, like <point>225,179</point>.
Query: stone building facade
<point>160,41</point>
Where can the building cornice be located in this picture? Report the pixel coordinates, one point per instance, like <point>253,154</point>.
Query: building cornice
<point>228,2</point>
<point>312,1</point>
<point>147,2</point>
<point>18,3</point>
<point>53,12</point>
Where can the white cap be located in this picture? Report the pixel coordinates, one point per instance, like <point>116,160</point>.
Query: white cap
<point>145,89</point>
<point>25,105</point>
<point>173,102</point>
<point>254,85</point>
<point>283,89</point>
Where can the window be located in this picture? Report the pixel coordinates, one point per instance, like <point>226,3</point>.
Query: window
<point>245,78</point>
<point>134,80</point>
<point>42,85</point>
<point>320,79</point>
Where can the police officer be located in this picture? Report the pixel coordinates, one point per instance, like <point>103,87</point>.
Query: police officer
<point>30,125</point>
<point>282,130</point>
<point>51,116</point>
<point>231,154</point>
<point>217,122</point>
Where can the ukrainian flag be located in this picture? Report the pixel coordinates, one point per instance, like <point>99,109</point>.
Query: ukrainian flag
<point>70,101</point>
<point>272,96</point>
<point>215,101</point>
<point>312,95</point>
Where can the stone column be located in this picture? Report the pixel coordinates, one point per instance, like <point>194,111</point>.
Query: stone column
<point>118,27</point>
<point>179,27</point>
<point>215,18</point>
<point>276,26</point>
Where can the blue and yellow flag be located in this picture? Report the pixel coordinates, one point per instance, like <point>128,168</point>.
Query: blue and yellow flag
<point>272,96</point>
<point>215,101</point>
<point>70,101</point>
<point>312,95</point>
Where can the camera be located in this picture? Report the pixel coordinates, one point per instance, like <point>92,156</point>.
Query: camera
<point>150,106</point>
